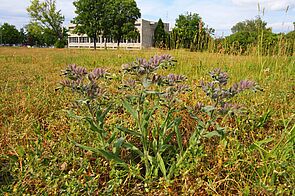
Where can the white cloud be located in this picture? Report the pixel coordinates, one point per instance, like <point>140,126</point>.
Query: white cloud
<point>274,5</point>
<point>281,26</point>
<point>218,14</point>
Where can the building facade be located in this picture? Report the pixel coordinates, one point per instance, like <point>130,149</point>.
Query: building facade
<point>144,40</point>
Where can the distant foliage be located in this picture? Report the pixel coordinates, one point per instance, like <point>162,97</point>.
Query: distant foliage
<point>190,32</point>
<point>255,25</point>
<point>48,20</point>
<point>160,35</point>
<point>252,36</point>
<point>9,34</point>
<point>110,18</point>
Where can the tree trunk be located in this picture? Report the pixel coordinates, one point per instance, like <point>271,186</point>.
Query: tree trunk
<point>94,41</point>
<point>105,43</point>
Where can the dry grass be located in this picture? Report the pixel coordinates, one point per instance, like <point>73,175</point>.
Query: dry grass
<point>36,156</point>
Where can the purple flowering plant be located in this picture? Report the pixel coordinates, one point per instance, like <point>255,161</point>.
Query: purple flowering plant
<point>220,95</point>
<point>150,101</point>
<point>83,82</point>
<point>142,74</point>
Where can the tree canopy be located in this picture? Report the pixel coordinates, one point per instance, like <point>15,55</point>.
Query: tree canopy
<point>160,34</point>
<point>110,18</point>
<point>254,25</point>
<point>9,34</point>
<point>124,15</point>
<point>48,18</point>
<point>90,14</point>
<point>190,32</point>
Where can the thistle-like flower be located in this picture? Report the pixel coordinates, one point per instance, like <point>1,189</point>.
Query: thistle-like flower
<point>75,72</point>
<point>96,74</point>
<point>142,66</point>
<point>219,76</point>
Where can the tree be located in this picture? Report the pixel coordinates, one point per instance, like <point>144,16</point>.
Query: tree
<point>90,17</point>
<point>191,32</point>
<point>187,26</point>
<point>45,15</point>
<point>124,14</point>
<point>9,34</point>
<point>252,33</point>
<point>255,25</point>
<point>35,35</point>
<point>109,18</point>
<point>22,36</point>
<point>160,34</point>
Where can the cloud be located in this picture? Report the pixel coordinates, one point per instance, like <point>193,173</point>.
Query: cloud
<point>218,14</point>
<point>274,5</point>
<point>281,26</point>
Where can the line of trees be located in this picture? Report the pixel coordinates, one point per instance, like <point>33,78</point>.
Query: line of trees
<point>45,28</point>
<point>190,32</point>
<point>248,37</point>
<point>116,19</point>
<point>252,36</point>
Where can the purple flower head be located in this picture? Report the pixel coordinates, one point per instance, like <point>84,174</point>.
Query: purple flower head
<point>125,66</point>
<point>166,57</point>
<point>93,90</point>
<point>142,66</point>
<point>75,72</point>
<point>96,74</point>
<point>246,84</point>
<point>157,79</point>
<point>129,83</point>
<point>198,106</point>
<point>155,60</point>
<point>228,107</point>
<point>172,79</point>
<point>66,83</point>
<point>180,88</point>
<point>218,75</point>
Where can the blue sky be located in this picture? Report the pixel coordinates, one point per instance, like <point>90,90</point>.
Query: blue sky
<point>218,14</point>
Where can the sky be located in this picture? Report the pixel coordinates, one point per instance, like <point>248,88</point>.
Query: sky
<point>220,15</point>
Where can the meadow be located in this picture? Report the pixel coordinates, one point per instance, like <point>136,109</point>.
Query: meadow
<point>38,155</point>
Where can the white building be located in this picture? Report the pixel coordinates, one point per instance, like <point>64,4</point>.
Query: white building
<point>145,40</point>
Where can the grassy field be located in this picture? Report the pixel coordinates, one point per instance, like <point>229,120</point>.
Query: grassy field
<point>256,157</point>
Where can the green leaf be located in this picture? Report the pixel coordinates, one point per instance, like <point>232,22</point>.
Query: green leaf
<point>208,109</point>
<point>131,110</point>
<point>128,131</point>
<point>146,83</point>
<point>172,170</point>
<point>212,134</point>
<point>108,155</point>
<point>112,138</point>
<point>100,116</point>
<point>178,135</point>
<point>20,151</point>
<point>258,144</point>
<point>168,138</point>
<point>118,144</point>
<point>161,164</point>
<point>71,114</point>
<point>93,126</point>
<point>130,146</point>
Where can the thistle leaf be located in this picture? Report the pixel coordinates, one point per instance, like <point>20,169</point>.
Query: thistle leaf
<point>161,164</point>
<point>130,109</point>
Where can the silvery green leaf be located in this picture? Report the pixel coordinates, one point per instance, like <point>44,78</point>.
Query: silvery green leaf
<point>208,109</point>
